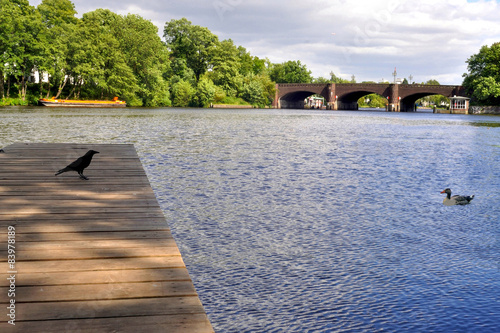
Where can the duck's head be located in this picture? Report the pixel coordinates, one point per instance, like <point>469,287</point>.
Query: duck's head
<point>447,191</point>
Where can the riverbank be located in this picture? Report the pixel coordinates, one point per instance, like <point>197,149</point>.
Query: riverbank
<point>13,102</point>
<point>231,106</point>
<point>485,110</point>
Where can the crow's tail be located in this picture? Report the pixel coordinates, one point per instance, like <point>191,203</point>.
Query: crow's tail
<point>61,171</point>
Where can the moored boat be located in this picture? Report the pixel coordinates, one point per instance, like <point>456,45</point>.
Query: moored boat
<point>52,102</point>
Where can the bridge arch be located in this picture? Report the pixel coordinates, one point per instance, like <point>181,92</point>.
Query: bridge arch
<point>295,100</point>
<point>408,103</point>
<point>347,97</point>
<point>410,93</point>
<point>292,95</point>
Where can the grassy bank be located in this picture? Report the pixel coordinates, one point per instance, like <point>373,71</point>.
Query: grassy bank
<point>13,102</point>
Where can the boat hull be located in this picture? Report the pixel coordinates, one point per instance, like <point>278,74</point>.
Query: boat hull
<point>82,104</point>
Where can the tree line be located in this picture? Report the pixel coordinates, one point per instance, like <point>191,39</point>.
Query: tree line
<point>103,55</point>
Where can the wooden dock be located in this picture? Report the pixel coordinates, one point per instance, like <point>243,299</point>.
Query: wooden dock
<point>90,256</point>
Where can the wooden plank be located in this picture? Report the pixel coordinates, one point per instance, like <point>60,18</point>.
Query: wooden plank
<point>99,264</point>
<point>13,213</point>
<point>16,203</point>
<point>100,215</point>
<point>109,308</point>
<point>54,253</point>
<point>73,179</point>
<point>106,235</point>
<point>93,244</point>
<point>75,225</point>
<point>193,323</point>
<point>106,291</point>
<point>96,277</point>
<point>50,253</point>
<point>87,188</point>
<point>92,256</point>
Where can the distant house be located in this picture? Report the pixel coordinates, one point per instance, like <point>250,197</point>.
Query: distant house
<point>459,104</point>
<point>35,77</point>
<point>314,102</point>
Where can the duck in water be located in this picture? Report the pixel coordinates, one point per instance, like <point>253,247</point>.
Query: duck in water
<point>456,199</point>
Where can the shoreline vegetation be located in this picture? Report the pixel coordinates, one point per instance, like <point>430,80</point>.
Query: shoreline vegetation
<point>48,52</point>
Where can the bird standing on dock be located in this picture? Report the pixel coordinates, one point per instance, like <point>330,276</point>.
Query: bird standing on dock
<point>80,164</point>
<point>456,199</point>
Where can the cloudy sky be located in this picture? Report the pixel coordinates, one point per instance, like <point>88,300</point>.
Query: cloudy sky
<point>427,39</point>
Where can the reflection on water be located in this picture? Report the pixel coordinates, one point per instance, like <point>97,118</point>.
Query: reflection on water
<point>297,221</point>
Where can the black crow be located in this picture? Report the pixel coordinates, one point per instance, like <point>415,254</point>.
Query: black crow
<point>80,164</point>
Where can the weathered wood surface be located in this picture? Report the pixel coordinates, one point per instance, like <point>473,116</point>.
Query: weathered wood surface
<point>91,256</point>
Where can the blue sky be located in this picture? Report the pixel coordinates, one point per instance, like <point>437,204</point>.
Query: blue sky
<point>427,39</point>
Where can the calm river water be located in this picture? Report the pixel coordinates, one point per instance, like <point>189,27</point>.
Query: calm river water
<point>303,221</point>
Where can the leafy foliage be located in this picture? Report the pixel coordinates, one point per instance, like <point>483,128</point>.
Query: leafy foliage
<point>482,81</point>
<point>191,42</point>
<point>22,42</point>
<point>58,17</point>
<point>182,93</point>
<point>290,72</point>
<point>372,101</point>
<point>205,92</point>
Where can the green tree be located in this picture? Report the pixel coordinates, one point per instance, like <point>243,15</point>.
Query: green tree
<point>226,64</point>
<point>147,56</point>
<point>58,17</point>
<point>8,13</point>
<point>194,43</point>
<point>290,72</point>
<point>482,81</point>
<point>372,101</point>
<point>96,61</point>
<point>249,64</point>
<point>432,82</point>
<point>23,49</point>
<point>205,92</point>
<point>182,93</point>
<point>335,79</point>
<point>268,88</point>
<point>219,95</point>
<point>246,62</point>
<point>253,92</point>
<point>321,79</point>
<point>179,70</point>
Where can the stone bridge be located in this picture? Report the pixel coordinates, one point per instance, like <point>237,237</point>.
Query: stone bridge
<point>344,96</point>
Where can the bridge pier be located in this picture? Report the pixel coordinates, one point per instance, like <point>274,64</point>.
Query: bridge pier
<point>393,107</point>
<point>394,99</point>
<point>332,106</point>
